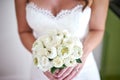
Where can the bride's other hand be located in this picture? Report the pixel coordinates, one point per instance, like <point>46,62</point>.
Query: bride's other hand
<point>69,73</point>
<point>50,76</point>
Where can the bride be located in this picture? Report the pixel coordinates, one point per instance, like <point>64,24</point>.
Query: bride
<point>84,18</point>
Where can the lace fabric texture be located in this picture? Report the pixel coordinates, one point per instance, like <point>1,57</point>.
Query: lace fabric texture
<point>74,20</point>
<point>46,12</point>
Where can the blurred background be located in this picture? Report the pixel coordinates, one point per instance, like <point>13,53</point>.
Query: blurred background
<point>15,60</point>
<point>110,63</point>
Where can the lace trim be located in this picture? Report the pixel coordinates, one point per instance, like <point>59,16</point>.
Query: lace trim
<point>62,13</point>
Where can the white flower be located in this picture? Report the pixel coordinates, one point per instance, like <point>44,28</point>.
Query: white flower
<point>56,49</point>
<point>42,62</point>
<point>37,45</point>
<point>36,59</point>
<point>77,52</point>
<point>52,53</point>
<point>56,40</point>
<point>64,50</point>
<point>57,62</point>
<point>45,64</point>
<point>66,34</point>
<point>40,52</point>
<point>77,42</point>
<point>68,41</point>
<point>46,40</point>
<point>57,34</point>
<point>70,61</point>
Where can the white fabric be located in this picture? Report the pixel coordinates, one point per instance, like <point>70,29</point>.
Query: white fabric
<point>74,20</point>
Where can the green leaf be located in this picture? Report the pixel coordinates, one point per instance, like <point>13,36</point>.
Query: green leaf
<point>64,66</point>
<point>50,59</point>
<point>53,69</point>
<point>78,60</point>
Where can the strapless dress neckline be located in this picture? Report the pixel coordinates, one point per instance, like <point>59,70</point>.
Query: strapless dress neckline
<point>60,14</point>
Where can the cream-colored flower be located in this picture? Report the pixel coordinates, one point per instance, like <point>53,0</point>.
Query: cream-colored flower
<point>36,60</point>
<point>60,46</point>
<point>77,52</point>
<point>44,61</point>
<point>77,42</point>
<point>37,45</point>
<point>57,62</point>
<point>68,41</point>
<point>52,53</point>
<point>70,61</point>
<point>64,50</point>
<point>56,41</point>
<point>40,52</point>
<point>46,40</point>
<point>66,34</point>
<point>45,64</point>
<point>57,34</point>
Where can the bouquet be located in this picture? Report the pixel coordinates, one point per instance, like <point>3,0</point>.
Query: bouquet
<point>56,50</point>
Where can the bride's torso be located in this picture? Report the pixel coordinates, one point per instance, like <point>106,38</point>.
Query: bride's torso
<point>74,20</point>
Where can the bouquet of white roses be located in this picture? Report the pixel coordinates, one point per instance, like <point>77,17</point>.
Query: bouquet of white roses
<point>56,50</point>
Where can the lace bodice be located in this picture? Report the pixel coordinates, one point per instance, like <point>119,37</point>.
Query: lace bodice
<point>42,20</point>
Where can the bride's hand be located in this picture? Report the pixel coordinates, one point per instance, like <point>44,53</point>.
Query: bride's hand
<point>69,73</point>
<point>51,76</point>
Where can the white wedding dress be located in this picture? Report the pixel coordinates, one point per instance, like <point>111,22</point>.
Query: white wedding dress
<point>74,20</point>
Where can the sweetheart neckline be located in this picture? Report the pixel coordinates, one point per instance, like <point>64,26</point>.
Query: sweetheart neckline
<point>63,11</point>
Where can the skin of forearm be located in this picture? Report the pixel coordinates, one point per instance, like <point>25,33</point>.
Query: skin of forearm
<point>27,39</point>
<point>91,41</point>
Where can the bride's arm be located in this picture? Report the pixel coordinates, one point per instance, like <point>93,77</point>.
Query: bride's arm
<point>96,30</point>
<point>96,26</point>
<point>25,32</point>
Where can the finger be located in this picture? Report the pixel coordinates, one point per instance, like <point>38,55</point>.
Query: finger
<point>61,72</point>
<point>78,66</point>
<point>68,71</point>
<point>56,73</point>
<point>49,75</point>
<point>73,73</point>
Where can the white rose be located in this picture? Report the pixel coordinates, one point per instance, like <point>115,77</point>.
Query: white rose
<point>66,34</point>
<point>57,62</point>
<point>77,52</point>
<point>56,40</point>
<point>77,42</point>
<point>36,60</point>
<point>37,45</point>
<point>42,62</point>
<point>52,53</point>
<point>57,34</point>
<point>65,50</point>
<point>45,64</point>
<point>70,61</point>
<point>46,40</point>
<point>41,52</point>
<point>69,41</point>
